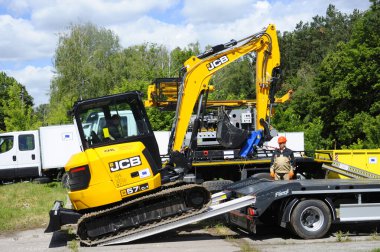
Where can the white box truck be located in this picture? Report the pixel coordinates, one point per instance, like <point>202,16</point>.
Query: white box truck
<point>37,153</point>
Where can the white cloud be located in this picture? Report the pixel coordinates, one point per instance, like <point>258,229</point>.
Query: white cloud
<point>215,11</point>
<point>55,15</point>
<point>21,41</point>
<point>146,29</point>
<point>245,17</point>
<point>36,80</point>
<point>19,7</point>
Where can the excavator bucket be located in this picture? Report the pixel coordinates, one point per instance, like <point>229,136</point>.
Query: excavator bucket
<point>227,134</point>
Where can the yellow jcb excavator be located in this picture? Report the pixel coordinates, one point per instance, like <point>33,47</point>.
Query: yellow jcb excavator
<point>119,187</point>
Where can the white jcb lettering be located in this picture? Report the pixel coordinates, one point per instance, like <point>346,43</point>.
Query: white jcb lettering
<point>114,166</point>
<point>217,62</point>
<point>125,163</point>
<point>135,161</point>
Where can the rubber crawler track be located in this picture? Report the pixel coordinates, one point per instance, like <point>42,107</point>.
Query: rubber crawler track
<point>171,190</point>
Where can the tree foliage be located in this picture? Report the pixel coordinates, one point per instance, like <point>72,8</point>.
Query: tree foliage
<point>87,65</point>
<point>337,80</point>
<point>16,106</point>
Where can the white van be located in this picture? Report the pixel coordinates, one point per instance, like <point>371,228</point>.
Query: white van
<point>37,153</point>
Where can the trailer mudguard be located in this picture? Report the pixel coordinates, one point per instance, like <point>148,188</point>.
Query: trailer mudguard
<point>287,211</point>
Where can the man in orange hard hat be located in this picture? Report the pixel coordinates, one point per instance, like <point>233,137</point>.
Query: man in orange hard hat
<point>282,161</point>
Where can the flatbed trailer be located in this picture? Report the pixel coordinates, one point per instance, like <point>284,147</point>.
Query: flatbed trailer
<point>306,207</point>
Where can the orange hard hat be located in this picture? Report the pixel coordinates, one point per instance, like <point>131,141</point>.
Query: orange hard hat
<point>281,140</point>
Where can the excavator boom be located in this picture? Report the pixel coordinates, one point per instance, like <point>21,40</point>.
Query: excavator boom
<point>200,69</point>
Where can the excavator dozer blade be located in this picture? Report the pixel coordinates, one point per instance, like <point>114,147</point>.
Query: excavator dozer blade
<point>60,216</point>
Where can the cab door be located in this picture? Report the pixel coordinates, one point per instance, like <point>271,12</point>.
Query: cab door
<point>8,160</point>
<point>28,155</point>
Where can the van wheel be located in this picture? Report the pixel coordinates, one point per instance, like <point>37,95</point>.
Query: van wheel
<point>42,180</point>
<point>311,219</point>
<point>60,174</point>
<point>65,180</point>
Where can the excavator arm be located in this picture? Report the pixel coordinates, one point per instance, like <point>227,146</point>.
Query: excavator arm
<point>200,69</point>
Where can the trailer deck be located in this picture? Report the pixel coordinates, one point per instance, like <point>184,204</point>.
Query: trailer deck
<point>308,207</point>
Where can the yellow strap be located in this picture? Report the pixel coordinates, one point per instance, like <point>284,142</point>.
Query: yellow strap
<point>106,133</point>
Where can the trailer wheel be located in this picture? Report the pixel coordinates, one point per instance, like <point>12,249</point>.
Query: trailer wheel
<point>311,219</point>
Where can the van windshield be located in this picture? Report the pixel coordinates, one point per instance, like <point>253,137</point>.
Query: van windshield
<point>6,143</point>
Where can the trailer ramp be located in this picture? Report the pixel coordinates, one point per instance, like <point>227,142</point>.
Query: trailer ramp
<point>350,171</point>
<point>215,209</point>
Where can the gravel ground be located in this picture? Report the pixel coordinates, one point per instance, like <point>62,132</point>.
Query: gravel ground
<point>197,238</point>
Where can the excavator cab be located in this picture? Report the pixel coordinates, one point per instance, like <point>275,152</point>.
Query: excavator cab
<point>120,157</point>
<point>95,119</point>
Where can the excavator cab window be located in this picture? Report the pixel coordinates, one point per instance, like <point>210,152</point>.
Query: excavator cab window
<point>110,120</point>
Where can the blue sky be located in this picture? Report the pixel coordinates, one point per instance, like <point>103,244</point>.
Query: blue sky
<point>30,28</point>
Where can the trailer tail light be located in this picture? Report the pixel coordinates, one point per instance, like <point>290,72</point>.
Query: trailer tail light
<point>251,211</point>
<point>79,178</point>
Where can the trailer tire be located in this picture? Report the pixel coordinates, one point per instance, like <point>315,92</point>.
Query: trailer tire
<point>310,219</point>
<point>216,185</point>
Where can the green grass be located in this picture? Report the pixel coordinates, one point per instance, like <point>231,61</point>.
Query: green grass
<point>342,237</point>
<point>26,205</point>
<point>375,235</point>
<point>73,245</point>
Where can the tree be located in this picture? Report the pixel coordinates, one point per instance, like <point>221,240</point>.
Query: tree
<point>86,62</point>
<point>332,65</point>
<point>178,57</point>
<point>18,112</point>
<point>236,81</point>
<point>41,113</point>
<point>349,82</point>
<point>144,63</point>
<point>310,42</point>
<point>16,106</point>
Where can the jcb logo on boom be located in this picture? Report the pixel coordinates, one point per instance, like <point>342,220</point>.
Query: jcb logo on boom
<point>125,163</point>
<point>217,62</point>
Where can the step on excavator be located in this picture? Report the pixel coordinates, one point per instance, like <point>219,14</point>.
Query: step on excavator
<point>118,185</point>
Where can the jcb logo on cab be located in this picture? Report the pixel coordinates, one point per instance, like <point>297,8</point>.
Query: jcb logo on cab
<point>217,62</point>
<point>125,163</point>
